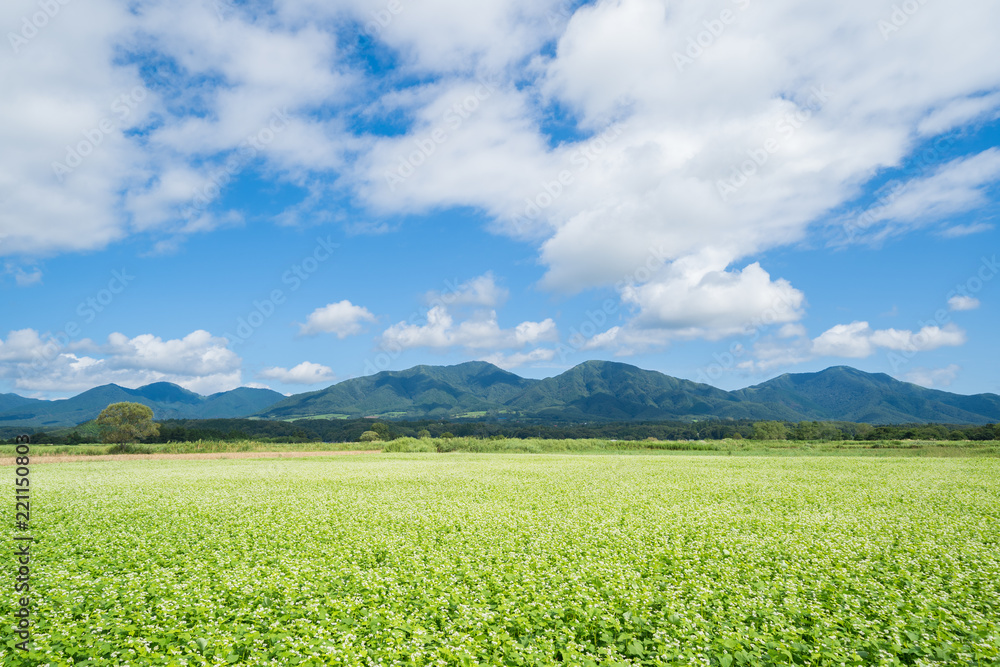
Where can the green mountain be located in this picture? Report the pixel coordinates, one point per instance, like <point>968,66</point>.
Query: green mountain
<point>608,391</point>
<point>619,392</point>
<point>592,391</point>
<point>847,394</point>
<point>167,400</point>
<point>421,391</point>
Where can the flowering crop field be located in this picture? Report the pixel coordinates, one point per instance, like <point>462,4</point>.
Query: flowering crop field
<point>480,559</point>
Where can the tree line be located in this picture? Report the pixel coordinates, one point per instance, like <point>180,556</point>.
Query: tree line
<point>328,430</point>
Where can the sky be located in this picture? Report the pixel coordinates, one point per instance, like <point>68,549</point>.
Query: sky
<point>292,193</point>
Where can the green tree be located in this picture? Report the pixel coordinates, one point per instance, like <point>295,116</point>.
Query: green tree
<point>369,436</point>
<point>383,431</point>
<point>769,431</point>
<point>423,433</point>
<point>127,422</point>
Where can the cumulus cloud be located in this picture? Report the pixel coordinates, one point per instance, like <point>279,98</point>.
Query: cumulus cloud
<point>477,333</point>
<point>342,319</point>
<point>714,162</point>
<point>482,291</point>
<point>858,340</point>
<point>508,361</point>
<point>693,300</point>
<point>200,362</point>
<point>305,373</point>
<point>933,377</point>
<point>963,303</point>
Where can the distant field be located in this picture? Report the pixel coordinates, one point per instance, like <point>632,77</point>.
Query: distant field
<point>541,446</point>
<point>497,559</point>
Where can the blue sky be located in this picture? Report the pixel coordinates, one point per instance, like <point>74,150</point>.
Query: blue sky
<point>291,193</point>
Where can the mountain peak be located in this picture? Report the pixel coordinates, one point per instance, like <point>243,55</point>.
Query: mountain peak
<point>592,390</point>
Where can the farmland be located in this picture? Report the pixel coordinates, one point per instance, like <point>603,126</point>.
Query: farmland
<point>513,559</point>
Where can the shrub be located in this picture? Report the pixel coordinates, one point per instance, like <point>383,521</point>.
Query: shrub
<point>369,436</point>
<point>128,448</point>
<point>408,445</point>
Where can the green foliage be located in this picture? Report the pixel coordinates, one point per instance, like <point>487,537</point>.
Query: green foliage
<point>128,448</point>
<point>769,431</point>
<point>423,559</point>
<point>126,422</point>
<point>423,433</point>
<point>369,436</point>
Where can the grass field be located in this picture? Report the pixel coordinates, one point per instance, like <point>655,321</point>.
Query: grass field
<point>542,446</point>
<point>494,559</point>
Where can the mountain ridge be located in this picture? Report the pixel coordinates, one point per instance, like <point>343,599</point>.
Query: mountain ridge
<point>613,391</point>
<point>591,391</point>
<point>167,400</point>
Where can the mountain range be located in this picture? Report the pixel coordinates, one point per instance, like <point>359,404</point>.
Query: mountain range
<point>167,400</point>
<point>592,391</point>
<point>609,391</point>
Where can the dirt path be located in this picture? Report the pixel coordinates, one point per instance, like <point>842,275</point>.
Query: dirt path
<point>65,458</point>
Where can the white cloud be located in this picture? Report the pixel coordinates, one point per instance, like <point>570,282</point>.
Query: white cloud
<point>955,187</point>
<point>22,278</point>
<point>305,373</point>
<point>508,361</point>
<point>342,318</point>
<point>933,377</point>
<point>594,207</point>
<point>482,331</point>
<point>958,231</point>
<point>199,362</point>
<point>858,340</point>
<point>74,101</point>
<point>656,183</point>
<point>769,354</point>
<point>482,291</point>
<point>845,340</point>
<point>959,112</point>
<point>694,299</point>
<point>198,353</point>
<point>792,331</point>
<point>606,339</point>
<point>963,303</point>
<point>21,346</point>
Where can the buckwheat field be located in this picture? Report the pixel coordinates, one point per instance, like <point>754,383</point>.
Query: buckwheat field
<point>464,559</point>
